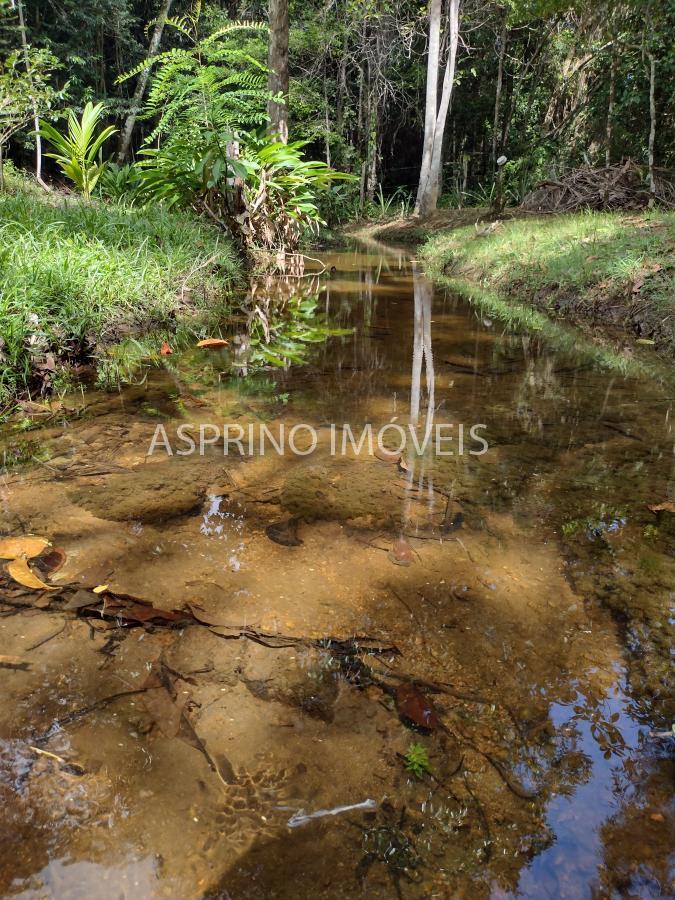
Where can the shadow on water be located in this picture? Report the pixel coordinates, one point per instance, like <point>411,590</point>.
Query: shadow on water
<point>511,609</point>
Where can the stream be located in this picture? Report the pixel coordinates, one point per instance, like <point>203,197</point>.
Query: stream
<point>272,637</point>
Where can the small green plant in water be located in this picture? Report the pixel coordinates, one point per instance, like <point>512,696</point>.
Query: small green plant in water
<point>417,761</point>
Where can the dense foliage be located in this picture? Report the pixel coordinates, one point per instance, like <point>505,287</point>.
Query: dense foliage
<point>551,84</point>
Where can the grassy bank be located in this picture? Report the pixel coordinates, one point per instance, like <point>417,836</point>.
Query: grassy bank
<point>605,268</point>
<point>76,277</point>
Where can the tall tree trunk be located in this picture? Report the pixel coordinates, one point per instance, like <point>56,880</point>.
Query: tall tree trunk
<point>498,91</point>
<point>141,84</point>
<point>610,110</point>
<point>327,117</point>
<point>436,113</point>
<point>277,62</point>
<point>18,5</point>
<point>652,126</point>
<point>431,101</point>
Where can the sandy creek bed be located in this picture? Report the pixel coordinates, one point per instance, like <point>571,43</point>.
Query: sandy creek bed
<point>539,625</point>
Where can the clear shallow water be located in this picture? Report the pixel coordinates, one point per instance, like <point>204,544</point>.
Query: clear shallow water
<point>527,591</point>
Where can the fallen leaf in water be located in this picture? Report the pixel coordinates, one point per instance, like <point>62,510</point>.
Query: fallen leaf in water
<point>80,599</point>
<point>213,343</point>
<point>666,506</point>
<point>208,618</point>
<point>13,662</point>
<point>52,561</point>
<point>15,547</point>
<point>284,533</point>
<point>414,706</point>
<point>401,553</point>
<point>166,349</point>
<point>387,455</point>
<point>158,699</point>
<point>165,712</point>
<point>19,571</point>
<point>100,588</point>
<point>134,609</point>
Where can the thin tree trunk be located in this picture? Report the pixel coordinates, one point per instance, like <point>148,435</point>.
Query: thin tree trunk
<point>36,118</point>
<point>325,106</point>
<point>341,93</point>
<point>610,111</point>
<point>141,84</point>
<point>372,159</point>
<point>498,91</point>
<point>652,126</point>
<point>431,100</point>
<point>430,176</point>
<point>277,62</point>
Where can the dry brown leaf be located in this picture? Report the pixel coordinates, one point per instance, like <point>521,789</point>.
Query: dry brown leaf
<point>19,571</point>
<point>52,561</point>
<point>413,705</point>
<point>165,711</point>
<point>213,343</point>
<point>28,546</point>
<point>166,349</point>
<point>666,506</point>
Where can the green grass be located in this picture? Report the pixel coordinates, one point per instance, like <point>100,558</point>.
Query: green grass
<point>605,267</point>
<point>75,275</point>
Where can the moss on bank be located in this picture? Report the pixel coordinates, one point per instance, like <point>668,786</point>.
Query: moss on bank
<point>76,276</point>
<point>605,268</point>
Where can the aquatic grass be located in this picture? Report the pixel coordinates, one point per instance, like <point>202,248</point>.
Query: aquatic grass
<point>416,760</point>
<point>74,273</point>
<point>610,267</point>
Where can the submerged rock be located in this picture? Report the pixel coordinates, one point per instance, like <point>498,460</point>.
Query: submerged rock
<point>284,533</point>
<point>148,493</point>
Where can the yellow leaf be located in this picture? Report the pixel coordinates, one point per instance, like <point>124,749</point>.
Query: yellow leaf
<point>15,547</point>
<point>19,571</point>
<point>100,588</point>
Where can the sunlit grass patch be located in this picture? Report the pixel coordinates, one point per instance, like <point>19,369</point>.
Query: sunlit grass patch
<point>586,263</point>
<point>73,275</point>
